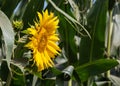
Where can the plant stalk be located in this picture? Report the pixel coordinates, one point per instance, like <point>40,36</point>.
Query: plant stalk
<point>91,3</point>
<point>109,37</point>
<point>70,82</point>
<point>110,29</point>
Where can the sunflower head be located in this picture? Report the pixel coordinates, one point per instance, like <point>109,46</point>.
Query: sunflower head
<point>43,40</point>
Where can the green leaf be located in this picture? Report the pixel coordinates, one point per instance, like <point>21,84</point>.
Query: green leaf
<point>95,67</point>
<point>93,49</point>
<point>55,71</point>
<point>8,36</point>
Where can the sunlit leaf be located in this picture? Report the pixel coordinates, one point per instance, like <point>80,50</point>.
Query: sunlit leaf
<point>8,36</point>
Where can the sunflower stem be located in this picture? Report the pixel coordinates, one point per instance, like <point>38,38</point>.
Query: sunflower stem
<point>70,82</point>
<point>91,3</point>
<point>109,34</point>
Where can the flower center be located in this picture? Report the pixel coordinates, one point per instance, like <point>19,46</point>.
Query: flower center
<point>42,40</point>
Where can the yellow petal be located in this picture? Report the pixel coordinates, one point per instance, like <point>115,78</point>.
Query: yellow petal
<point>40,17</point>
<point>55,46</point>
<point>54,38</point>
<point>50,62</point>
<point>52,49</point>
<point>52,55</point>
<point>31,31</point>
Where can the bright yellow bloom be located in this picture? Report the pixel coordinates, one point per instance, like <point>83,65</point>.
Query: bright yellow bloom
<point>43,40</point>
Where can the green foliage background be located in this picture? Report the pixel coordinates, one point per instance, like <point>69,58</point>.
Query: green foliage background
<point>89,39</point>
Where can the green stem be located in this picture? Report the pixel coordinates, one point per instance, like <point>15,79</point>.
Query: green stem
<point>91,3</point>
<point>109,34</point>
<point>70,82</point>
<point>110,24</point>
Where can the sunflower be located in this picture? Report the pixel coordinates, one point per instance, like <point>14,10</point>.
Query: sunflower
<point>43,40</point>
